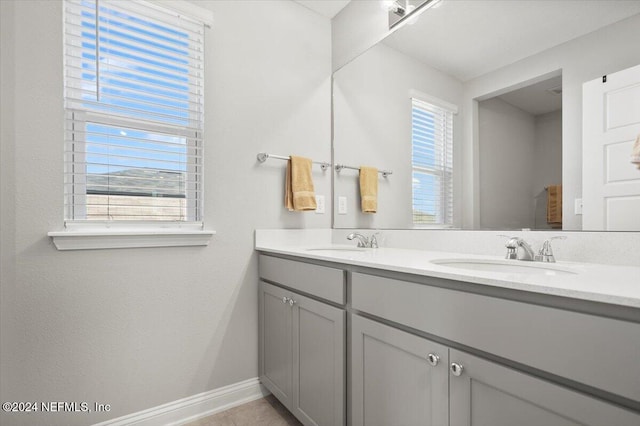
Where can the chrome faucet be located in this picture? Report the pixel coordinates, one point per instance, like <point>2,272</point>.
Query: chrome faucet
<point>363,241</point>
<point>545,254</point>
<point>512,249</point>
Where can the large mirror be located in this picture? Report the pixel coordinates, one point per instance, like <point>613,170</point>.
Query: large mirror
<point>477,109</point>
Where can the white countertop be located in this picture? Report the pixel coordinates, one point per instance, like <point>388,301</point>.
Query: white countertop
<point>619,285</point>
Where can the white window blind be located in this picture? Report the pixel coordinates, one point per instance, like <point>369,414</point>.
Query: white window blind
<point>432,161</point>
<point>134,112</point>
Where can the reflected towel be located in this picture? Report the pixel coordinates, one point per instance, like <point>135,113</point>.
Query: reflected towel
<point>554,205</point>
<point>369,189</point>
<point>299,192</point>
<point>635,153</point>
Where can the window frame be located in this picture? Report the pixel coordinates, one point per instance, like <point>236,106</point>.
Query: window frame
<point>96,234</point>
<point>448,111</point>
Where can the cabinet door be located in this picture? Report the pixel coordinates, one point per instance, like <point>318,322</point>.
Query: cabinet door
<point>319,363</point>
<point>489,394</point>
<point>276,354</point>
<point>392,381</point>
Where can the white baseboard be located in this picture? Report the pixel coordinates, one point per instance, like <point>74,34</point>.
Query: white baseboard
<point>194,407</point>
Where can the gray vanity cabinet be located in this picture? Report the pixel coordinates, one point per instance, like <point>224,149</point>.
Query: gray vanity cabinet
<point>390,378</point>
<point>318,363</point>
<point>394,382</point>
<point>419,353</point>
<point>276,342</point>
<point>397,378</point>
<point>302,358</point>
<point>490,394</point>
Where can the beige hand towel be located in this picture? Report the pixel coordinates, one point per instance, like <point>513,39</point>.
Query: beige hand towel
<point>369,189</point>
<point>554,206</point>
<point>299,192</point>
<point>635,153</point>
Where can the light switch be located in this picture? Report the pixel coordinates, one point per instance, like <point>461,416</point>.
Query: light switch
<point>578,206</point>
<point>319,204</point>
<point>342,205</point>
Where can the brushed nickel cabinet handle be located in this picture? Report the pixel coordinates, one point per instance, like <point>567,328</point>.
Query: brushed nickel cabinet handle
<point>456,369</point>
<point>433,359</point>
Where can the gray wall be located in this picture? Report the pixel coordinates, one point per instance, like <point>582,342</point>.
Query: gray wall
<point>357,27</point>
<point>372,126</point>
<point>140,327</point>
<point>506,139</point>
<point>7,196</point>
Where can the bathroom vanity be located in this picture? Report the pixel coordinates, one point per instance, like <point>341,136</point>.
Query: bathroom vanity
<point>404,337</point>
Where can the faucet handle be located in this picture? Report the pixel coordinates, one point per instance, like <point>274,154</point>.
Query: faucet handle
<point>373,240</point>
<point>546,252</point>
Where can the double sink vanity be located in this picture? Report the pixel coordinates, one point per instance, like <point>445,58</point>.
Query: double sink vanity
<point>389,336</point>
<point>481,109</point>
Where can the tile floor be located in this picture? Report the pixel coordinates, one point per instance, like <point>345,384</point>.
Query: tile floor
<point>267,411</point>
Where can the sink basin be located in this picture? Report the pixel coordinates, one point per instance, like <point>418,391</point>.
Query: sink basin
<point>336,248</point>
<point>505,266</point>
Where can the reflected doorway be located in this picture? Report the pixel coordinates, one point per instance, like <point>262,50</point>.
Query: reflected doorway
<point>520,157</point>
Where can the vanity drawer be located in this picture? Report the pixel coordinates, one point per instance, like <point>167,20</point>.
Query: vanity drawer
<point>597,351</point>
<point>321,281</point>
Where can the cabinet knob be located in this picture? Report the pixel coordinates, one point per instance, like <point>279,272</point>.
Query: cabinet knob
<point>285,299</point>
<point>456,369</point>
<point>292,302</point>
<point>433,359</point>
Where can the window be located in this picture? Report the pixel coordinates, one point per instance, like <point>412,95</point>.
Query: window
<point>133,113</point>
<point>432,162</point>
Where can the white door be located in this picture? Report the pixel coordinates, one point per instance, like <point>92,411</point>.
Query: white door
<point>610,126</point>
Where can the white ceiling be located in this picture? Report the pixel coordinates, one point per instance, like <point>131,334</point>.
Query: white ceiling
<point>536,99</point>
<point>468,38</point>
<point>328,8</point>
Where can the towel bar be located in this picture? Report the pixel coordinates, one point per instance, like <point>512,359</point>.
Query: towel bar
<point>263,156</point>
<point>339,167</point>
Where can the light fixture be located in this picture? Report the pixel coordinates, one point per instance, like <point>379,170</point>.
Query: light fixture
<point>393,6</point>
<point>400,10</point>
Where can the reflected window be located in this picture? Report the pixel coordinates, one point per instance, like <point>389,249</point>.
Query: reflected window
<point>432,161</point>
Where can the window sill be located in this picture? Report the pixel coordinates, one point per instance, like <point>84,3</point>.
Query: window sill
<point>110,239</point>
